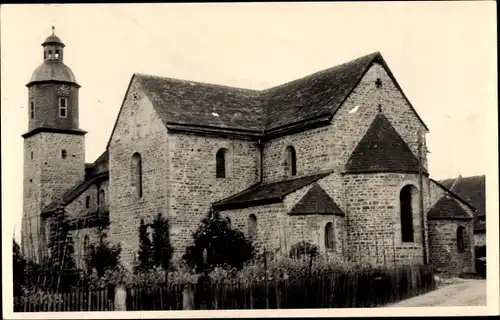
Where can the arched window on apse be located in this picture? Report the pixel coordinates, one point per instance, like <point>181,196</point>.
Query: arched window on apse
<point>461,239</point>
<point>329,236</point>
<point>406,200</point>
<point>291,160</point>
<point>220,163</point>
<point>136,174</point>
<point>252,226</point>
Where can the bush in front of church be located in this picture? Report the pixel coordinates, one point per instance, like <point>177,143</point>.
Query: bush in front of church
<point>217,244</point>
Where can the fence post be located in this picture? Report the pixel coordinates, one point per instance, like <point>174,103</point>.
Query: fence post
<point>188,297</point>
<point>120,298</point>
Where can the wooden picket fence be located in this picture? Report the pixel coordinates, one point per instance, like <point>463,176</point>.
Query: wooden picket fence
<point>333,290</point>
<point>97,300</point>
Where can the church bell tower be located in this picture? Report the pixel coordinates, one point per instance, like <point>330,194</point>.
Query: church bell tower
<point>54,146</point>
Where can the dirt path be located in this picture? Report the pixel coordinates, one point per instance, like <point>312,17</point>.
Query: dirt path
<point>465,293</point>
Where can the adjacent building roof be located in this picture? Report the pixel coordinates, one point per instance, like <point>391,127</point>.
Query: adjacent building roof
<point>382,150</point>
<point>471,189</point>
<point>269,193</point>
<point>447,208</point>
<point>316,201</point>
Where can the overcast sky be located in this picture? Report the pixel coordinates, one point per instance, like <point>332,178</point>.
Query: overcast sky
<point>442,53</point>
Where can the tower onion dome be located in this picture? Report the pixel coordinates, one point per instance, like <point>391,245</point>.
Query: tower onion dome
<point>53,67</point>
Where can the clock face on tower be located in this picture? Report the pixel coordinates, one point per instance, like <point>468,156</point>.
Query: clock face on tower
<point>63,90</point>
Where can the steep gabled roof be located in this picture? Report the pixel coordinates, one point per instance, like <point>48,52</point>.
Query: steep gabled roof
<point>317,94</point>
<point>195,103</point>
<point>447,208</point>
<point>261,194</point>
<point>316,201</point>
<point>471,189</point>
<point>382,150</point>
<point>209,108</point>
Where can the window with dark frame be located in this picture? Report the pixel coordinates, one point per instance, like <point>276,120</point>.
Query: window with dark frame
<point>87,202</point>
<point>252,226</point>
<point>63,107</point>
<point>461,239</point>
<point>136,173</point>
<point>406,212</point>
<point>291,160</point>
<point>32,110</point>
<point>220,163</point>
<point>64,154</point>
<point>329,239</point>
<point>102,199</point>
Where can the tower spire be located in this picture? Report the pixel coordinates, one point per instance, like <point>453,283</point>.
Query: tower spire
<point>53,30</point>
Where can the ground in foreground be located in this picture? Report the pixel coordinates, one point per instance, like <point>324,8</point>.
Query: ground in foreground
<point>463,293</point>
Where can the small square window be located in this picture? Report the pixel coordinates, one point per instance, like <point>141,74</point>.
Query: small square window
<point>64,154</point>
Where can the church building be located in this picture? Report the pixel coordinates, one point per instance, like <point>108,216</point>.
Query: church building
<point>336,158</point>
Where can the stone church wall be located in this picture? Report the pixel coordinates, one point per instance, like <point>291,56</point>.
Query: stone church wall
<point>329,147</point>
<point>373,218</point>
<point>138,129</point>
<point>193,186</point>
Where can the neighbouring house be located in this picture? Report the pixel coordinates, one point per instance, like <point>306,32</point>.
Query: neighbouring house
<point>473,190</point>
<point>336,158</point>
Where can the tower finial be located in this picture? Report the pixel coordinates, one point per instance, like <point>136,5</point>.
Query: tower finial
<point>53,29</point>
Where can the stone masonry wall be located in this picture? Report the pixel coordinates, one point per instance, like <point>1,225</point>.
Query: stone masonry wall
<point>373,218</point>
<point>268,235</point>
<point>329,147</point>
<point>47,176</point>
<point>77,207</point>
<point>443,239</point>
<point>443,245</point>
<point>278,231</point>
<point>93,235</point>
<point>138,129</point>
<point>192,184</point>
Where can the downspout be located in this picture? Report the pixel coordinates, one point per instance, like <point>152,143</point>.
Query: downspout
<point>421,185</point>
<point>261,155</point>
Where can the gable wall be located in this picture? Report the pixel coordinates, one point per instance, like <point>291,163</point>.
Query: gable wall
<point>330,147</point>
<point>138,129</point>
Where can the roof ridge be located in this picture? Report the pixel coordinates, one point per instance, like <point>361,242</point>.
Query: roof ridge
<point>322,71</point>
<point>195,82</point>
